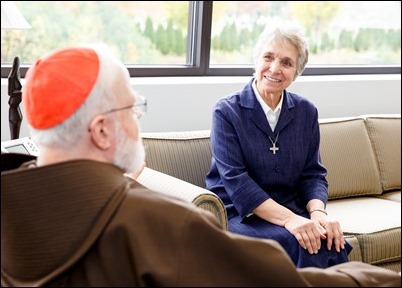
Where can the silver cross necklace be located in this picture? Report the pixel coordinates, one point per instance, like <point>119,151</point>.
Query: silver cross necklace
<point>274,148</point>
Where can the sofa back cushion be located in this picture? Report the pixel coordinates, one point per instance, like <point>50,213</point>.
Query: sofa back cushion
<point>184,155</point>
<point>347,154</point>
<point>385,135</point>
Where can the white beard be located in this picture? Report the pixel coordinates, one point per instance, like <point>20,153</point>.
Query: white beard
<point>130,154</point>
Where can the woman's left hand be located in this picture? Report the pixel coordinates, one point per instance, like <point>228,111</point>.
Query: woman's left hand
<point>333,230</point>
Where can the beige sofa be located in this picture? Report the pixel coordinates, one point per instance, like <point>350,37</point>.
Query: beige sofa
<point>363,158</point>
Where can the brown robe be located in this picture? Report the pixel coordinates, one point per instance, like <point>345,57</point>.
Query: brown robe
<point>82,223</point>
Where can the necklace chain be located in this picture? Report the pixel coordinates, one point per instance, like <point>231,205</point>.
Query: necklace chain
<point>274,148</point>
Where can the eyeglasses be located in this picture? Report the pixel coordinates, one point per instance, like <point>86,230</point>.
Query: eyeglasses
<point>138,109</point>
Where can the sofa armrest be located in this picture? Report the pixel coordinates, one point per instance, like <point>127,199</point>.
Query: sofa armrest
<point>163,183</point>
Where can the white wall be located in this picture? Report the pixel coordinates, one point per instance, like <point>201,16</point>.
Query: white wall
<point>185,103</point>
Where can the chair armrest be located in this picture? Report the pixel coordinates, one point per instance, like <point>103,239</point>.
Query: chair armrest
<point>163,183</point>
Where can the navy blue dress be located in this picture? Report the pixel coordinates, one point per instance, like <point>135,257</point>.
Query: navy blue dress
<point>244,172</point>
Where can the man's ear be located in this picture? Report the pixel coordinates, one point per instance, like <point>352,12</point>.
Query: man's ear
<point>100,130</point>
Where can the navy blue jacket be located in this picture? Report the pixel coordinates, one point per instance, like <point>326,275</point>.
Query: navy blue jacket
<point>244,172</point>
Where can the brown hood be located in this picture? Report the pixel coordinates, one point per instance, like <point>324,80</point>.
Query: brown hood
<point>48,220</point>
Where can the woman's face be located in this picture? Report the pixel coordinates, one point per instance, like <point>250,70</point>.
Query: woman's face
<point>275,69</point>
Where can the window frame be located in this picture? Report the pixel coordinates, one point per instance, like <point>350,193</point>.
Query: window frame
<point>198,52</point>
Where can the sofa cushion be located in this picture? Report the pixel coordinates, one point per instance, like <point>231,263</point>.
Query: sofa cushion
<point>374,222</point>
<point>347,154</point>
<point>184,155</point>
<point>393,196</point>
<point>200,197</point>
<point>385,135</point>
<point>394,266</point>
<point>356,253</point>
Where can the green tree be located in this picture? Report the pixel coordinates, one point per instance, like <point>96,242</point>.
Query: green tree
<point>346,39</point>
<point>394,39</point>
<point>149,29</point>
<point>93,22</point>
<point>161,40</point>
<point>327,44</point>
<point>315,16</point>
<point>229,38</point>
<point>178,10</point>
<point>362,42</point>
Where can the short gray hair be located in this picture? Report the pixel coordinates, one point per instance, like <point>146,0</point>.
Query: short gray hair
<point>288,31</point>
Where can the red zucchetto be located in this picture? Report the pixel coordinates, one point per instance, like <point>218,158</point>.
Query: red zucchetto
<point>57,84</point>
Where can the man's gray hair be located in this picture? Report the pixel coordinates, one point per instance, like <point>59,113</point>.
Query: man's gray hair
<point>101,98</point>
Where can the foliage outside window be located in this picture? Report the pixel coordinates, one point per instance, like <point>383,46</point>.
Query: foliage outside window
<point>336,33</point>
<point>178,38</point>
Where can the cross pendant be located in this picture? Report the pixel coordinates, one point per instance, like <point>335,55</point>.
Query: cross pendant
<point>274,148</point>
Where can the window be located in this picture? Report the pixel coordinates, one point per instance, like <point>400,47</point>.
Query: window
<point>340,40</point>
<point>178,38</point>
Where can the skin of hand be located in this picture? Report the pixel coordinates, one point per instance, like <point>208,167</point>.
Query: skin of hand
<point>332,228</point>
<point>307,232</point>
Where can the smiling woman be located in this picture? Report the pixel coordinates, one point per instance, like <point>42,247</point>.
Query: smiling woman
<point>272,194</point>
<point>180,38</point>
